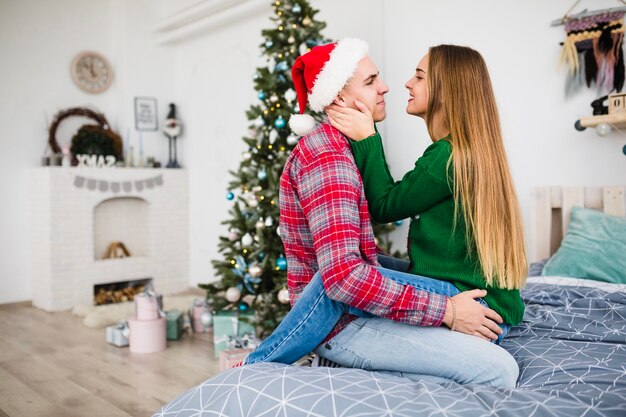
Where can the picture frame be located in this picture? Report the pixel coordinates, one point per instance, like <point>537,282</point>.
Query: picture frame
<point>146,114</point>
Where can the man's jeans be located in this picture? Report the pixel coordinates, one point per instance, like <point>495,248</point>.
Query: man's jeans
<point>380,344</point>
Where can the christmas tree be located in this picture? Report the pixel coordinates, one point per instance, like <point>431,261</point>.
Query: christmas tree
<point>254,269</point>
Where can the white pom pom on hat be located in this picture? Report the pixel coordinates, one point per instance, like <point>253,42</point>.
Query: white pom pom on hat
<point>319,75</point>
<point>301,124</point>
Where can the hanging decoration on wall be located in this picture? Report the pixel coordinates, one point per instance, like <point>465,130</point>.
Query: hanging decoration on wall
<point>592,50</point>
<point>126,186</point>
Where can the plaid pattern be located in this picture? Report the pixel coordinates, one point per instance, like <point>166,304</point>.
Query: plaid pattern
<point>325,225</point>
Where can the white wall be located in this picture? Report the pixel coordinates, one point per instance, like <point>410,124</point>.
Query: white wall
<point>38,39</point>
<point>209,76</point>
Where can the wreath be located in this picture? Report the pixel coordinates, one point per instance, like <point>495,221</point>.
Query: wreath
<point>90,139</point>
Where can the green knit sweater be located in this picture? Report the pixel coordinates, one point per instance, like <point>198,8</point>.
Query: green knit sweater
<point>436,248</point>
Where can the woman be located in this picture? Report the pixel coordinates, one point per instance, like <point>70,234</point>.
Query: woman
<point>465,228</point>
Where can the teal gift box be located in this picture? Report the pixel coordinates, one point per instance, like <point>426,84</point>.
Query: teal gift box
<point>174,324</point>
<point>228,323</point>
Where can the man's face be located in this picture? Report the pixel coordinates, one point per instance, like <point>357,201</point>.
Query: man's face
<point>367,87</point>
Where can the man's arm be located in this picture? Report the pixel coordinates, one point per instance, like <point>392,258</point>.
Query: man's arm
<point>329,190</point>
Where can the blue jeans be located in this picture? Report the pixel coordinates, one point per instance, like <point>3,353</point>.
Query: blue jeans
<point>314,315</point>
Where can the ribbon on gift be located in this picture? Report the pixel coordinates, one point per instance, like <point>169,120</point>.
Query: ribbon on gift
<point>151,294</point>
<point>123,327</point>
<point>240,271</point>
<point>247,340</point>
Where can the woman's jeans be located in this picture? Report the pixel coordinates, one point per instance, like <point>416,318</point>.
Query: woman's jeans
<point>374,343</point>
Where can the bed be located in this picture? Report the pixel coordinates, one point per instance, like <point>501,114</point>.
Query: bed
<point>571,349</point>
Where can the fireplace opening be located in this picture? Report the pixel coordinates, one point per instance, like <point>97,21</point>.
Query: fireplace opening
<point>121,221</point>
<point>119,292</point>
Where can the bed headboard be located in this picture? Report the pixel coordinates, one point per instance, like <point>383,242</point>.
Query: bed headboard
<point>551,208</point>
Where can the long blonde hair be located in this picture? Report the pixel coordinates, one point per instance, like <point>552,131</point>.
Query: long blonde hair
<point>460,88</point>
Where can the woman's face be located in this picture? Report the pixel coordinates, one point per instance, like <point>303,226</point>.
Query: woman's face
<point>418,89</point>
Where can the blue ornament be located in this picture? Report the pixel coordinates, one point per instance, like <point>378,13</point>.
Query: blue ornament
<point>243,306</point>
<point>230,196</point>
<point>262,175</point>
<point>281,263</point>
<point>280,123</point>
<point>261,256</point>
<point>261,95</point>
<point>296,8</point>
<point>281,78</point>
<point>281,66</point>
<point>398,222</point>
<point>269,44</point>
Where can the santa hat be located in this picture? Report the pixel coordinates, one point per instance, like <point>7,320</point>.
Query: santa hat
<point>319,75</point>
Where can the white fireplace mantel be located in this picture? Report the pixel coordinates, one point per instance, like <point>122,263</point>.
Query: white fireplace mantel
<point>64,260</point>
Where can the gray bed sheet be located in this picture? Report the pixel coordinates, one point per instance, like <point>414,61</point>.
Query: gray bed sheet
<point>571,349</point>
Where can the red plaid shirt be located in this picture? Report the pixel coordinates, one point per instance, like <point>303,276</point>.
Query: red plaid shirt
<point>325,225</point>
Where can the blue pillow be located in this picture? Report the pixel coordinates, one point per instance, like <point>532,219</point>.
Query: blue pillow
<point>594,247</point>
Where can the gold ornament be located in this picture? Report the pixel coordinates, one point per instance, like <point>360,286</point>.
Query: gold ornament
<point>306,21</point>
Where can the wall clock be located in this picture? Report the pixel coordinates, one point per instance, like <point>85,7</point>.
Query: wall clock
<point>91,72</point>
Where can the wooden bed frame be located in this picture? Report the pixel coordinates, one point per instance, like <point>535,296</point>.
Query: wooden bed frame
<point>551,207</point>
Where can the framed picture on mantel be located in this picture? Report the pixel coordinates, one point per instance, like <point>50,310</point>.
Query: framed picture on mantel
<point>146,114</point>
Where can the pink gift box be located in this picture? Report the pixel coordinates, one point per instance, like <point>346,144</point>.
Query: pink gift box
<point>147,336</point>
<point>146,307</point>
<point>231,357</point>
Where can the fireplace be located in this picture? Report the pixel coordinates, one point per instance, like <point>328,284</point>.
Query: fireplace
<point>76,213</point>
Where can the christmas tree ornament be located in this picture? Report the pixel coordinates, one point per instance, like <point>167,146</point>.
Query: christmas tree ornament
<point>273,136</point>
<point>246,156</point>
<point>262,175</point>
<point>271,63</point>
<point>230,196</point>
<point>261,95</point>
<point>233,235</point>
<point>291,39</point>
<point>233,294</point>
<point>282,66</point>
<point>269,44</point>
<point>269,222</point>
<point>306,21</point>
<point>280,123</point>
<point>259,122</point>
<point>290,95</point>
<point>303,48</point>
<point>261,256</point>
<point>257,188</point>
<point>260,224</point>
<point>292,140</point>
<point>255,271</point>
<point>256,238</point>
<point>252,202</point>
<point>296,8</point>
<point>256,76</point>
<point>398,222</point>
<point>281,263</point>
<point>247,240</point>
<point>206,318</point>
<point>243,306</point>
<point>283,296</point>
<point>278,230</point>
<point>273,98</point>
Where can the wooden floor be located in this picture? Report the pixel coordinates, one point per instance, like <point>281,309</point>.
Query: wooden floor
<point>52,365</point>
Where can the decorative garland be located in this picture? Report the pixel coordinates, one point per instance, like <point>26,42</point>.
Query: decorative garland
<point>92,184</point>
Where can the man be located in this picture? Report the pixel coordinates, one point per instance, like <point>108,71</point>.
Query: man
<point>326,229</point>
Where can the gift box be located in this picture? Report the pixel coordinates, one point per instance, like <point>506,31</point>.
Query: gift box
<point>200,316</point>
<point>231,357</point>
<point>227,324</point>
<point>148,305</point>
<point>147,336</point>
<point>118,335</point>
<point>174,325</point>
